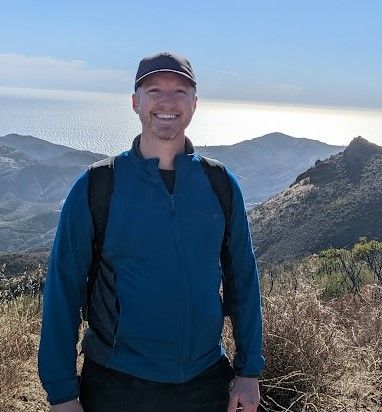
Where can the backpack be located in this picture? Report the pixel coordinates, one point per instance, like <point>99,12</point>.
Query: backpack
<point>100,187</point>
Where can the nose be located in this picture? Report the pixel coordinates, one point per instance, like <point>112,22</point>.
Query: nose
<point>168,97</point>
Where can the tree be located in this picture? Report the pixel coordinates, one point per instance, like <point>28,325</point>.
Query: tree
<point>371,254</point>
<point>342,261</point>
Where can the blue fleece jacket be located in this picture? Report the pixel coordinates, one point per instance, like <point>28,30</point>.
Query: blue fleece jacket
<point>158,312</point>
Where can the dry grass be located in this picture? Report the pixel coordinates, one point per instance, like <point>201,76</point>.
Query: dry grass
<point>321,355</point>
<point>315,360</point>
<point>19,384</point>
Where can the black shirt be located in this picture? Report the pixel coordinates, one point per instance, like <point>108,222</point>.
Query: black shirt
<point>168,177</point>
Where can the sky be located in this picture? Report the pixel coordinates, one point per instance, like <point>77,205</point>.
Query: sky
<point>317,52</point>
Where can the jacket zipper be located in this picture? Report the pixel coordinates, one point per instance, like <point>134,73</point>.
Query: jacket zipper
<point>186,277</point>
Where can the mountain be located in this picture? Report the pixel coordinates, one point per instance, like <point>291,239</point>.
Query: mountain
<point>270,163</point>
<point>331,204</point>
<point>42,150</point>
<point>36,176</point>
<point>33,170</point>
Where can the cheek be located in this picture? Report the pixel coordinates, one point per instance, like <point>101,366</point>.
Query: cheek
<point>191,110</point>
<point>144,117</point>
<point>142,109</point>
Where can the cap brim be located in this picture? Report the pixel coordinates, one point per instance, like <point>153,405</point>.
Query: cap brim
<point>164,70</point>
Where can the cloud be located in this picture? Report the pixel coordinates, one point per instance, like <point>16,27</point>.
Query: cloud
<point>228,72</point>
<point>47,72</point>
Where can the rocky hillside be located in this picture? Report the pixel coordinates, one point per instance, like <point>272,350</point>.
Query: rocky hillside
<point>331,204</point>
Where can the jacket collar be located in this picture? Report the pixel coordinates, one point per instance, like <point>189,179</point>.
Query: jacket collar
<point>182,161</point>
<point>188,147</point>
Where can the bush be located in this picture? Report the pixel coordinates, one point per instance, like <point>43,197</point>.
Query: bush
<point>304,346</point>
<point>322,355</point>
<point>371,254</point>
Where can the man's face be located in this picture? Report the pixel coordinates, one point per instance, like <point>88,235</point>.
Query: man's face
<point>165,103</point>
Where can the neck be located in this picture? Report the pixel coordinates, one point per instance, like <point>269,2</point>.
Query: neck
<point>165,150</point>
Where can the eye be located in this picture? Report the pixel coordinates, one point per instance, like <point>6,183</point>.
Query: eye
<point>181,91</point>
<point>152,90</point>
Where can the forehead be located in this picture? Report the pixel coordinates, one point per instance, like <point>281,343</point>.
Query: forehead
<point>166,77</point>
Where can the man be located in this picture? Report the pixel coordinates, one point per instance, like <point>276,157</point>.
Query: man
<point>154,341</point>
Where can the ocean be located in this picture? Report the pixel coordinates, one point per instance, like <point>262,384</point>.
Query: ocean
<point>106,123</point>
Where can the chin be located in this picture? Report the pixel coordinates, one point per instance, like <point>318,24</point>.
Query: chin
<point>167,134</point>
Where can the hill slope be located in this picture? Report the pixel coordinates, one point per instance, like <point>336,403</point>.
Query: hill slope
<point>35,178</point>
<point>331,204</point>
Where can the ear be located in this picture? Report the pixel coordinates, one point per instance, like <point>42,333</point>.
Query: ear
<point>135,102</point>
<point>194,106</point>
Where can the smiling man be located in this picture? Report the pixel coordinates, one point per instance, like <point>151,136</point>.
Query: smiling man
<point>152,275</point>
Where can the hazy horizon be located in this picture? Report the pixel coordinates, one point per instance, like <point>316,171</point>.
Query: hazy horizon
<point>106,123</point>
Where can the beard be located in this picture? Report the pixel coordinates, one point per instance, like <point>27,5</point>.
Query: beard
<point>166,132</point>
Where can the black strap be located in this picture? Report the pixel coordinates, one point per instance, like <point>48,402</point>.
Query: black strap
<point>100,187</point>
<point>218,177</point>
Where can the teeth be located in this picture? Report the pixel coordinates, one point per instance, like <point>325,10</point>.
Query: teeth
<point>166,116</point>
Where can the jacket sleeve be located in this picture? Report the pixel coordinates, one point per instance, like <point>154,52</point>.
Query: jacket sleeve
<point>63,292</point>
<point>244,282</point>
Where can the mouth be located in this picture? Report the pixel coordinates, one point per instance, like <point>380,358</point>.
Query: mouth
<point>166,116</point>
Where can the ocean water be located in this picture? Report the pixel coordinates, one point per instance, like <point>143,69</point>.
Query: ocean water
<point>106,123</point>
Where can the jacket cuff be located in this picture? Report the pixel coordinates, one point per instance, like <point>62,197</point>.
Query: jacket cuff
<point>62,391</point>
<point>249,366</point>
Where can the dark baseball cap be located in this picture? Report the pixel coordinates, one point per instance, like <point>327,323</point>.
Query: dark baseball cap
<point>164,62</point>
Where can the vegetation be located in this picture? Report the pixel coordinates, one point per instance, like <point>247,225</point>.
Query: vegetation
<point>13,265</point>
<point>322,334</point>
<point>20,314</point>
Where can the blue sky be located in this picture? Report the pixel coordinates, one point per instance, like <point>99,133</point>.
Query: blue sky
<point>317,52</point>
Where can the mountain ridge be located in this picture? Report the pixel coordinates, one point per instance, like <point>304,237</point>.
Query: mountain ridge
<point>331,204</point>
<point>36,176</point>
<point>263,169</point>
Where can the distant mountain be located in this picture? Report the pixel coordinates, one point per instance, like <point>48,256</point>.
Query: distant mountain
<point>43,150</point>
<point>34,170</point>
<point>36,176</point>
<point>268,164</point>
<point>331,204</point>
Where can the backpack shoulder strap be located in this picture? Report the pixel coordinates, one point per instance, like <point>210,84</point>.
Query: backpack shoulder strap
<point>217,175</point>
<point>100,187</point>
<point>101,180</point>
<point>219,180</point>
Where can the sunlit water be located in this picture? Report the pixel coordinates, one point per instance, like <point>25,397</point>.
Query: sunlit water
<point>105,123</point>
